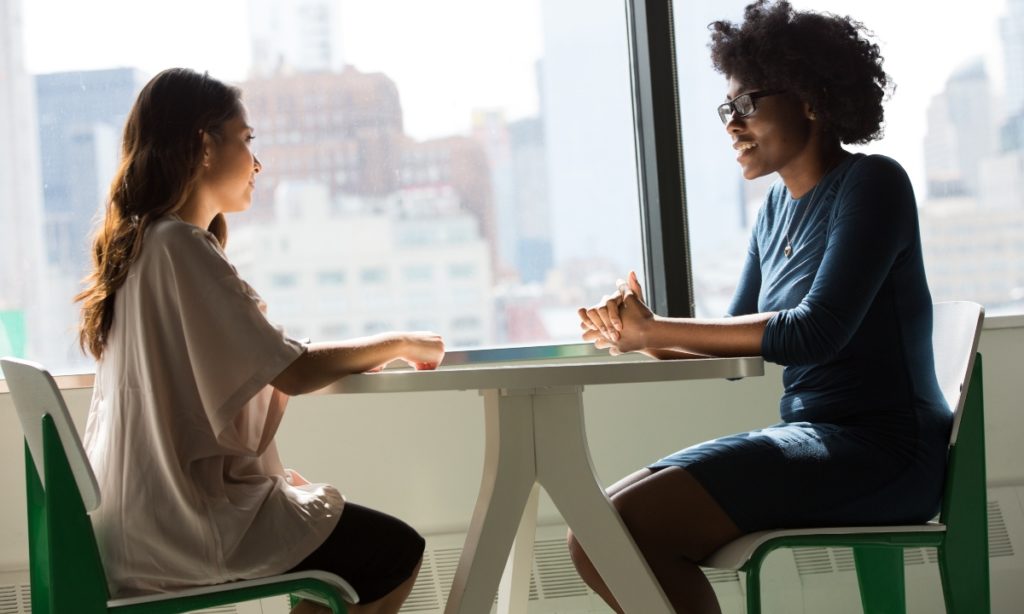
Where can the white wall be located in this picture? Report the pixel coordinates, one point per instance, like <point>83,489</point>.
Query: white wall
<point>419,456</point>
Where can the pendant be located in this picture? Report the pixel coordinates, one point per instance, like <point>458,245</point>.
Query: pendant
<point>788,251</point>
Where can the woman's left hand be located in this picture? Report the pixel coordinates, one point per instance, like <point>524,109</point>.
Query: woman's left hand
<point>620,321</point>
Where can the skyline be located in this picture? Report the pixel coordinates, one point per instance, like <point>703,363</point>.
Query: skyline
<point>219,43</point>
<point>437,97</point>
<point>437,101</point>
<point>582,90</point>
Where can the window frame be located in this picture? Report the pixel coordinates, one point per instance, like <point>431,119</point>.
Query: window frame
<point>664,220</point>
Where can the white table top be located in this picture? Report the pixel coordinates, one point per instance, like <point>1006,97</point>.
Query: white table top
<point>485,377</point>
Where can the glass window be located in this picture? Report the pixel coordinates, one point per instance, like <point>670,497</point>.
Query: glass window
<point>507,144</point>
<point>331,278</point>
<point>283,280</point>
<point>954,122</point>
<point>418,273</point>
<point>373,275</point>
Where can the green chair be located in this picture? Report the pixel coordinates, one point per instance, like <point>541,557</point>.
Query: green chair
<point>961,532</point>
<point>66,572</point>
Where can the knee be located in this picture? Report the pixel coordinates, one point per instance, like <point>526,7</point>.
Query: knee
<point>633,515</point>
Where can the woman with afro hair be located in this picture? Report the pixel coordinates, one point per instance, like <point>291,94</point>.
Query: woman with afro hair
<point>833,289</point>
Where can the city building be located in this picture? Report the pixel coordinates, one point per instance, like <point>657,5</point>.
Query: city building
<point>461,163</point>
<point>961,132</point>
<point>295,36</point>
<point>81,117</point>
<point>342,129</point>
<point>972,221</point>
<point>534,249</point>
<point>1011,28</point>
<point>358,265</point>
<point>21,258</point>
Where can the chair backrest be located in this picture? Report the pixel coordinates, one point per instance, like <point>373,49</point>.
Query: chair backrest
<point>65,568</point>
<point>956,329</point>
<point>36,395</point>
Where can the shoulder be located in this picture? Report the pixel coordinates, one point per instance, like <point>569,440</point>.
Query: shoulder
<point>172,231</point>
<point>878,187</point>
<point>877,168</point>
<point>171,242</point>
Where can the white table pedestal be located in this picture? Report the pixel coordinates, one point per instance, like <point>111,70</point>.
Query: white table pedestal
<point>537,437</point>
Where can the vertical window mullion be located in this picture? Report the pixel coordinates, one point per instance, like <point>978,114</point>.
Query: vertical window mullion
<point>660,158</point>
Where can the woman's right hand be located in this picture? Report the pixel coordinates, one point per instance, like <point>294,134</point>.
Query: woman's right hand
<point>422,350</point>
<point>605,318</point>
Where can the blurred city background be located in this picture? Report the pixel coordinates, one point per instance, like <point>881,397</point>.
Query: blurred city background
<point>469,167</point>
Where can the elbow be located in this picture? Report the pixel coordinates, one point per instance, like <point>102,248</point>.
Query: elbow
<point>288,385</point>
<point>296,377</point>
<point>795,341</point>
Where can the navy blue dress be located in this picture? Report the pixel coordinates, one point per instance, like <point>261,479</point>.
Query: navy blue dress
<point>865,429</point>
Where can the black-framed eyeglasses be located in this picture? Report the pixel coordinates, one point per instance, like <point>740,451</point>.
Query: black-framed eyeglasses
<point>743,105</point>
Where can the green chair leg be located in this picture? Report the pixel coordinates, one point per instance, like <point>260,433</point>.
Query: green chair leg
<point>880,577</point>
<point>963,555</point>
<point>753,575</point>
<point>965,583</point>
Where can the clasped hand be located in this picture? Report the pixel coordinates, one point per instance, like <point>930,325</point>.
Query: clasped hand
<point>620,321</point>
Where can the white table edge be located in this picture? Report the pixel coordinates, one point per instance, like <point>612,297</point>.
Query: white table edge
<point>545,375</point>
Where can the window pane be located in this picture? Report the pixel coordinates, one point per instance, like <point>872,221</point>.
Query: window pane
<point>470,164</point>
<point>955,123</point>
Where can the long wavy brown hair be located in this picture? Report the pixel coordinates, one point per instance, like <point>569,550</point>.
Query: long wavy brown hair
<point>161,161</point>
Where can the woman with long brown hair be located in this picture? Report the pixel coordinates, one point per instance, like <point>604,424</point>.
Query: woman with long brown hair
<point>192,379</point>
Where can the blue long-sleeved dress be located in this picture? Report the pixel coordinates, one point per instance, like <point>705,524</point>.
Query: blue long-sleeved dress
<point>865,429</point>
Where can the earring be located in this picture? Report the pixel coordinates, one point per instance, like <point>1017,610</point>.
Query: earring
<point>812,116</point>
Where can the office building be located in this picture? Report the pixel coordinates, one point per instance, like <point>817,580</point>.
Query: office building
<point>21,256</point>
<point>81,118</point>
<point>295,36</point>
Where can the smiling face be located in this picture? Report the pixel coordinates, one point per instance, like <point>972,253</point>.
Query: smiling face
<point>779,136</point>
<point>231,168</point>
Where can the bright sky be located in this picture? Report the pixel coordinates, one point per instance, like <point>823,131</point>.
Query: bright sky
<point>448,57</point>
<point>429,48</point>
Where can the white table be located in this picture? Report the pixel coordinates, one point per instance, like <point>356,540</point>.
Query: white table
<point>535,436</point>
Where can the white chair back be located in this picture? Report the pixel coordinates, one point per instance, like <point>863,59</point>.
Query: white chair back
<point>35,395</point>
<point>956,329</point>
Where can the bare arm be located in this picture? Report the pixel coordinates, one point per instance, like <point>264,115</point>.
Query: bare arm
<point>737,336</point>
<point>623,323</point>
<point>323,363</point>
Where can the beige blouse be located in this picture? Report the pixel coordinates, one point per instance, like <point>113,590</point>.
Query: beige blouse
<point>181,428</point>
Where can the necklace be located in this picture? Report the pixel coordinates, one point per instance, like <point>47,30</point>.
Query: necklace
<point>788,249</point>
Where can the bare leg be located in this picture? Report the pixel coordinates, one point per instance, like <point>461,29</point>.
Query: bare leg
<point>388,604</point>
<point>676,524</point>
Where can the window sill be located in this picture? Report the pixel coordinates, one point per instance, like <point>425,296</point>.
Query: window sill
<point>521,354</point>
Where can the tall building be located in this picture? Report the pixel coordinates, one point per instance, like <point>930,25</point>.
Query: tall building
<point>1011,28</point>
<point>517,159</point>
<point>490,131</point>
<point>458,163</point>
<point>20,199</point>
<point>942,166</point>
<point>1011,134</point>
<point>344,130</point>
<point>81,117</point>
<point>534,252</point>
<point>295,36</point>
<point>341,129</point>
<point>961,132</point>
<point>587,109</point>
